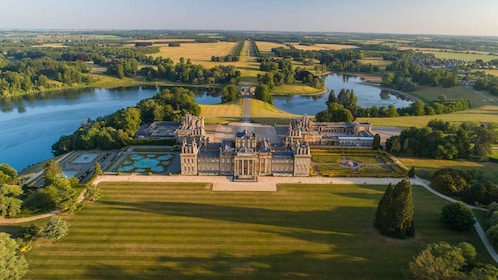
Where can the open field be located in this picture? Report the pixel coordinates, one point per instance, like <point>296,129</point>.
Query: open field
<point>487,113</point>
<point>320,47</point>
<point>265,47</point>
<point>426,167</point>
<point>428,94</point>
<point>376,61</point>
<point>263,112</point>
<point>222,113</point>
<point>445,54</point>
<point>199,53</point>
<point>296,89</point>
<point>185,231</point>
<point>491,71</point>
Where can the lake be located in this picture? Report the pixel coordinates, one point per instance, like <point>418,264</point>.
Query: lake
<point>29,126</point>
<point>367,96</point>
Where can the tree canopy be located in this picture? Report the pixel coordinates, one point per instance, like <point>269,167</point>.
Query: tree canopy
<point>394,215</point>
<point>12,263</point>
<point>10,203</point>
<point>457,216</point>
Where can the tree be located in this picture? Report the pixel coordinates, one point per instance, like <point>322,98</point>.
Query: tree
<point>332,98</point>
<point>97,170</point>
<point>376,142</point>
<point>229,93</point>
<point>55,229</point>
<point>483,138</point>
<point>449,181</point>
<point>93,193</point>
<point>457,216</point>
<point>394,215</point>
<point>262,92</point>
<point>438,261</point>
<point>468,250</point>
<point>13,265</point>
<point>52,172</point>
<point>10,204</point>
<point>411,172</point>
<point>62,195</point>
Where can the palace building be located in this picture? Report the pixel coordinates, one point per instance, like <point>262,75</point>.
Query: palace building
<point>245,156</point>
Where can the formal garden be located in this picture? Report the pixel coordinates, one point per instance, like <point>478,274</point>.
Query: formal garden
<point>355,163</point>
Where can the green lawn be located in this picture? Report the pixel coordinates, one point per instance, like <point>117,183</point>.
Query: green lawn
<point>185,231</point>
<point>428,94</point>
<point>425,168</point>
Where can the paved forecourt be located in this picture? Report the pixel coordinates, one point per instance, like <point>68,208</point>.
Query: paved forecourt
<point>264,184</point>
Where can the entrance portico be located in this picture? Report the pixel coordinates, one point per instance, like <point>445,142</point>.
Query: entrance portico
<point>245,168</point>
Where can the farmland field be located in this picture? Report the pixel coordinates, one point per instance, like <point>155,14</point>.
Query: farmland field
<point>186,231</point>
<point>448,54</point>
<point>319,47</point>
<point>199,53</point>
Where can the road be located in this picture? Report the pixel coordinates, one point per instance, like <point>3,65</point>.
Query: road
<point>246,99</point>
<point>487,98</point>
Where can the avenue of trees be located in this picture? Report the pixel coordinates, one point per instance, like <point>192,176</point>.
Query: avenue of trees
<point>118,129</point>
<point>394,215</point>
<point>440,140</point>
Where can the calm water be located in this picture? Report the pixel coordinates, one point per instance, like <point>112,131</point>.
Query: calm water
<point>30,127</point>
<point>367,96</point>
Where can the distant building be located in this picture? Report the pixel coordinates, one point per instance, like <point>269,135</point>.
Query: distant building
<point>247,157</point>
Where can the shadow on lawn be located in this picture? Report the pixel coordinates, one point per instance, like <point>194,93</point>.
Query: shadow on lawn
<point>324,220</point>
<point>293,265</point>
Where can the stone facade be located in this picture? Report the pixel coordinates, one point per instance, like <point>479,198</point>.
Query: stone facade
<point>246,157</point>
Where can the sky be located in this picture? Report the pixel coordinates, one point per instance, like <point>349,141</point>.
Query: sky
<point>450,17</point>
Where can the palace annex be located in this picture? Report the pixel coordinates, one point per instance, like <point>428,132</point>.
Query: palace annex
<point>246,150</point>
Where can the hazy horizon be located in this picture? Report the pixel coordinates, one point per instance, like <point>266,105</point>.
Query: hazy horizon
<point>425,17</point>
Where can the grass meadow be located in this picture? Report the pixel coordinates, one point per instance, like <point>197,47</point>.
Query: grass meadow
<point>186,231</point>
<point>296,89</point>
<point>426,167</point>
<point>448,54</point>
<point>263,112</point>
<point>222,113</point>
<point>487,113</point>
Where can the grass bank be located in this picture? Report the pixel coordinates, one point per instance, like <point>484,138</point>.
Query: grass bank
<point>186,231</point>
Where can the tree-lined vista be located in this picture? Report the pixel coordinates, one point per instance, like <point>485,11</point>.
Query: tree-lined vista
<point>187,230</point>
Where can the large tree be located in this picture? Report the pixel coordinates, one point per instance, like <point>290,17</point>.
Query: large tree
<point>394,215</point>
<point>457,216</point>
<point>10,204</point>
<point>483,138</point>
<point>55,229</point>
<point>262,92</point>
<point>229,93</point>
<point>52,172</point>
<point>12,262</point>
<point>439,261</point>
